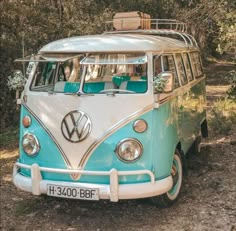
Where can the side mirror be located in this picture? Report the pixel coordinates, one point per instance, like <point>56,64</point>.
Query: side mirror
<point>29,69</point>
<point>164,82</point>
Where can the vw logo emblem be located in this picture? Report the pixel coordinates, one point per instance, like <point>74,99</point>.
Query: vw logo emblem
<point>76,126</point>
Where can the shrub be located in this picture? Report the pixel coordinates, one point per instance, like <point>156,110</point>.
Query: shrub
<point>223,116</point>
<point>231,93</point>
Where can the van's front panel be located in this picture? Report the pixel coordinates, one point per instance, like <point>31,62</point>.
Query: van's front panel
<point>104,118</point>
<point>98,151</point>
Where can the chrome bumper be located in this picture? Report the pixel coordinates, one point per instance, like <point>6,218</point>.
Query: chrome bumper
<point>114,191</point>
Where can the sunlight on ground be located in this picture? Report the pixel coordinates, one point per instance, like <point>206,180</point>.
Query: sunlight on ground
<point>6,154</point>
<point>223,140</point>
<point>7,178</point>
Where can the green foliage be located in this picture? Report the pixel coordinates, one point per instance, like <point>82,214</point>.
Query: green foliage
<point>159,84</point>
<point>223,116</point>
<point>9,137</point>
<point>212,23</point>
<point>16,81</point>
<point>231,93</point>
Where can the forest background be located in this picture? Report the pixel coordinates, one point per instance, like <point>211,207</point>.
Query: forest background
<point>27,25</point>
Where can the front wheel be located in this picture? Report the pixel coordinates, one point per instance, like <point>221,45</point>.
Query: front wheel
<point>169,198</point>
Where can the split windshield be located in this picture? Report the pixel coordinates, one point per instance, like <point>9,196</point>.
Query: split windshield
<point>93,74</point>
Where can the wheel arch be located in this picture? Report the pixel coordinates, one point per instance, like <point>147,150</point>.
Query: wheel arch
<point>178,147</point>
<point>183,157</point>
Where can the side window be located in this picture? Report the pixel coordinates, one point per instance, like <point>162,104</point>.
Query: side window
<point>187,66</point>
<point>196,64</point>
<point>181,71</point>
<point>169,65</point>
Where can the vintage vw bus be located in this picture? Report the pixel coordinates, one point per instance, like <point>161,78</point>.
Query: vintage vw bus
<point>112,116</point>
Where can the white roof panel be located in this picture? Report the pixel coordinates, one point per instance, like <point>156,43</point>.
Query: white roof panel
<point>113,43</point>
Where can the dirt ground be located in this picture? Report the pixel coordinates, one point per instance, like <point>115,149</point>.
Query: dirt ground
<point>207,201</point>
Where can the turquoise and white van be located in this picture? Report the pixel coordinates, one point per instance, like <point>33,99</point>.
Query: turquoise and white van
<point>112,116</point>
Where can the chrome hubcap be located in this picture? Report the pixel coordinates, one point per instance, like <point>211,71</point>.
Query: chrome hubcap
<point>174,174</point>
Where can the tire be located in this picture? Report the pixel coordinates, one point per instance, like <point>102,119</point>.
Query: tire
<point>170,197</point>
<point>204,129</point>
<point>196,146</point>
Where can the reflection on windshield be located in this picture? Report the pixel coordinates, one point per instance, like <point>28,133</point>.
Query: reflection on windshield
<point>101,73</point>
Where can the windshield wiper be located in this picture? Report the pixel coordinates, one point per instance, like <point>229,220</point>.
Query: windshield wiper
<point>79,93</point>
<point>70,93</point>
<point>114,91</point>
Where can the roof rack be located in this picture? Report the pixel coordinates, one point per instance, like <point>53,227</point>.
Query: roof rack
<point>163,27</point>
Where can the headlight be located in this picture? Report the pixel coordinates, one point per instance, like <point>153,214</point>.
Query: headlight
<point>30,144</point>
<point>129,150</point>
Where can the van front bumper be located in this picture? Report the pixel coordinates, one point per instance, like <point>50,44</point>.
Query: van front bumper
<point>113,191</point>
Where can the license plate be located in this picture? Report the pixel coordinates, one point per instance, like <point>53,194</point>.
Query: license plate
<point>72,192</point>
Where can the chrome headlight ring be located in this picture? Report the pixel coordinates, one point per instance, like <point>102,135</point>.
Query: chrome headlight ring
<point>129,150</point>
<point>30,144</point>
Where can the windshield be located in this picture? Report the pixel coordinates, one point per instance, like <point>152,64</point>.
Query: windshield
<point>56,76</point>
<point>120,73</point>
<point>93,74</point>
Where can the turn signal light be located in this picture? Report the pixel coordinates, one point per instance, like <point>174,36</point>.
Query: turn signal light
<point>140,126</point>
<point>26,121</point>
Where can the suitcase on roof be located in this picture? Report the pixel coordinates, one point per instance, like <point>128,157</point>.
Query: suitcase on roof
<point>146,21</point>
<point>130,20</point>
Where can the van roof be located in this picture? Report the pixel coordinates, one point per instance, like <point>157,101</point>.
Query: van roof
<point>114,43</point>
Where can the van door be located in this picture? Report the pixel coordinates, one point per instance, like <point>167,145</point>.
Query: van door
<point>186,116</point>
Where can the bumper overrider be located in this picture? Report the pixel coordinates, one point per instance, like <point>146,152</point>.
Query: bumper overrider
<point>113,191</point>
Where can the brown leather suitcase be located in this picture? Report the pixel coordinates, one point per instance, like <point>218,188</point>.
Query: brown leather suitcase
<point>147,21</point>
<point>131,20</point>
